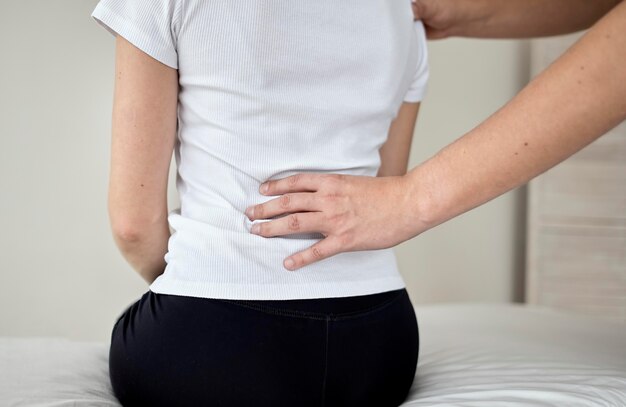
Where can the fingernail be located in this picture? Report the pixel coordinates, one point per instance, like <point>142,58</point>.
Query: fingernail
<point>289,263</point>
<point>255,228</point>
<point>250,212</point>
<point>264,187</point>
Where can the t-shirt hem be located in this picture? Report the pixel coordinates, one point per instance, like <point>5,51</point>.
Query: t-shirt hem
<point>277,291</point>
<point>415,95</point>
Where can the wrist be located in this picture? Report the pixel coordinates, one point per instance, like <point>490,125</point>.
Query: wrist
<point>420,200</point>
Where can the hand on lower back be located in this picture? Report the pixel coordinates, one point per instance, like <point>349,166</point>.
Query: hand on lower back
<point>351,212</point>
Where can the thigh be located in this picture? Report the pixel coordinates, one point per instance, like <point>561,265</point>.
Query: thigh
<point>372,356</point>
<point>171,350</point>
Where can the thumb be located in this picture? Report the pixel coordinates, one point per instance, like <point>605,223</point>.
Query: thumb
<point>421,9</point>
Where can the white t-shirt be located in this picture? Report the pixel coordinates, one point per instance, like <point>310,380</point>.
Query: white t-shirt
<point>269,89</point>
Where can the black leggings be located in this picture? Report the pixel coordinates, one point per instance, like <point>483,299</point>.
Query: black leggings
<point>170,350</point>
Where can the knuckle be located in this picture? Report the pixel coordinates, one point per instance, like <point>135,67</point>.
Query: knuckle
<point>293,222</point>
<point>259,210</point>
<point>317,252</point>
<point>336,219</point>
<point>294,179</point>
<point>332,181</point>
<point>333,175</point>
<point>331,197</point>
<point>285,201</point>
<point>346,239</point>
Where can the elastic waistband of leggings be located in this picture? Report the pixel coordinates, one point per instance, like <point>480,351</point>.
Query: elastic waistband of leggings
<point>322,307</point>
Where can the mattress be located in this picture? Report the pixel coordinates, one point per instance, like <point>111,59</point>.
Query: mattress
<point>470,355</point>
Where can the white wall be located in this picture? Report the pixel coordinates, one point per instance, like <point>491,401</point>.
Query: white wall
<point>478,256</point>
<point>61,273</point>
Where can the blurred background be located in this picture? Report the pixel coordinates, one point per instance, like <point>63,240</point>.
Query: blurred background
<point>62,274</point>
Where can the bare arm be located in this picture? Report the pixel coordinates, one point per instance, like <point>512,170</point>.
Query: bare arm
<point>573,102</point>
<point>578,98</point>
<point>143,135</point>
<point>508,18</point>
<point>394,154</point>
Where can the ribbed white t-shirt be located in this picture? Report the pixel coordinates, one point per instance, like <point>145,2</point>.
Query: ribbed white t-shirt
<point>269,89</point>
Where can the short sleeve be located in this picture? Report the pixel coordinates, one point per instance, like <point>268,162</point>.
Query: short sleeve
<point>417,89</point>
<point>150,25</point>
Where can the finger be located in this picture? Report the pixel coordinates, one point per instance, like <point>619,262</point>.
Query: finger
<point>321,250</point>
<point>302,222</point>
<point>425,10</point>
<point>416,10</point>
<point>296,183</point>
<point>288,203</point>
<point>435,34</point>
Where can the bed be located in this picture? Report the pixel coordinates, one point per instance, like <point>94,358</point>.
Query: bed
<point>470,355</point>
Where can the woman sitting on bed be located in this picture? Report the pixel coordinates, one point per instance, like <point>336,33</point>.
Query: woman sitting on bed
<point>242,93</point>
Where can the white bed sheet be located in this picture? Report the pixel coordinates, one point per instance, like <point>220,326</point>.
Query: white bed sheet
<point>470,355</point>
<point>515,355</point>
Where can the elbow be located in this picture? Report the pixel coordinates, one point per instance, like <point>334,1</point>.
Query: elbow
<point>126,231</point>
<point>128,227</point>
<point>133,225</point>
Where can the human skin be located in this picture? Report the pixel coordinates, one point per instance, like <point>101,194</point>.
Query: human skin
<point>142,142</point>
<point>394,153</point>
<point>574,101</point>
<point>507,18</point>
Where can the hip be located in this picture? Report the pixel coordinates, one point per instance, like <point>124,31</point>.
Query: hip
<point>175,350</point>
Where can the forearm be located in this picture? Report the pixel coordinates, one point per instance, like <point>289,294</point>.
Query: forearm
<point>394,153</point>
<point>143,136</point>
<point>144,248</point>
<point>526,18</point>
<point>393,160</point>
<point>576,100</point>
